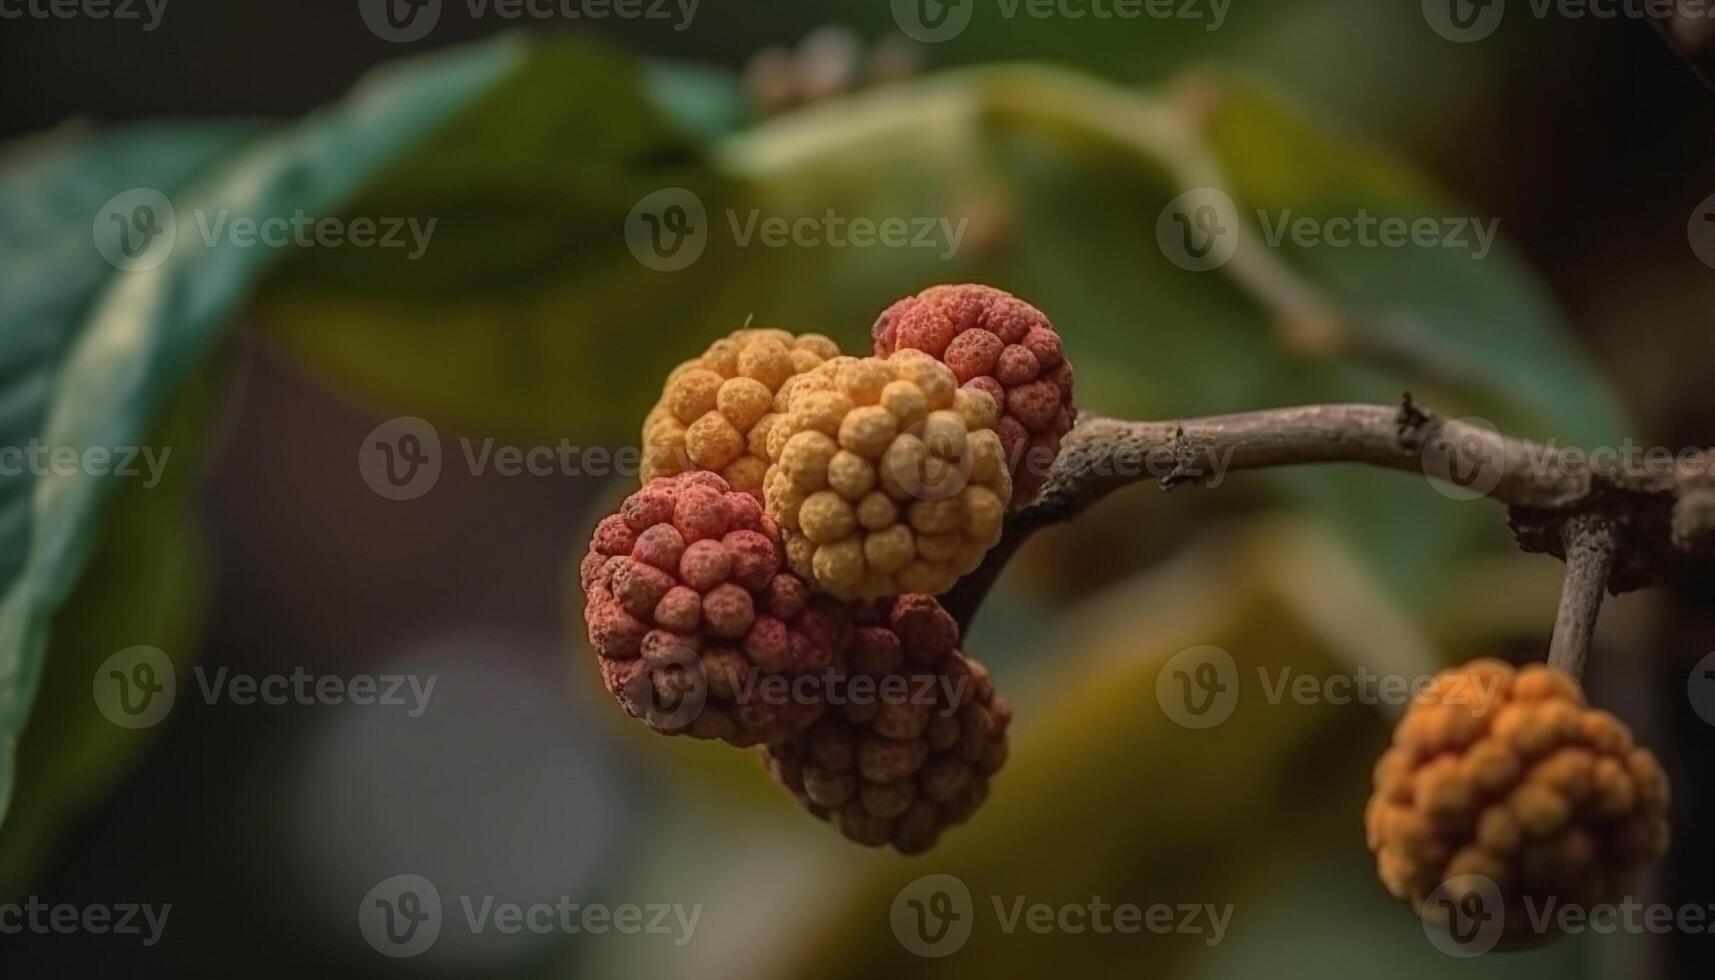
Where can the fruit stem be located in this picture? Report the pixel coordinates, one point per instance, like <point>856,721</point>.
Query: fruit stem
<point>1590,551</point>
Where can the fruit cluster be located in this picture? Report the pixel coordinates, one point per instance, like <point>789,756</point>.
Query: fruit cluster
<point>1503,786</point>
<point>800,511</point>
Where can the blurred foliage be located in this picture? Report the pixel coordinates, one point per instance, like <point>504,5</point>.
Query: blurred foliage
<point>93,353</point>
<point>146,584</point>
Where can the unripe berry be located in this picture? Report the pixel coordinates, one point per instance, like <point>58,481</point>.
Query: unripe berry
<point>1510,776</point>
<point>715,410</point>
<point>690,614</point>
<point>996,343</point>
<point>886,478</point>
<point>900,768</point>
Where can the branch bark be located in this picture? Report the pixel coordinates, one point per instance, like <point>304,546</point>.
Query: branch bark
<point>1544,486</point>
<point>1589,565</point>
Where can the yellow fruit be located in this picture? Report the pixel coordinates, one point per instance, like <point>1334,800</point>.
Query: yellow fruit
<point>885,477</point>
<point>716,411</point>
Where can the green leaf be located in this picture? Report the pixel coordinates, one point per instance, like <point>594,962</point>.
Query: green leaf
<point>145,585</point>
<point>528,309</point>
<point>92,353</point>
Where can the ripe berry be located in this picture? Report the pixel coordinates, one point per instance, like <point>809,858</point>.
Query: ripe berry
<point>899,768</point>
<point>999,344</point>
<point>712,413</point>
<point>1510,776</point>
<point>690,614</point>
<point>886,477</point>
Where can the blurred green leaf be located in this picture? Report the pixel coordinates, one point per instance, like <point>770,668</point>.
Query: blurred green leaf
<point>92,353</point>
<point>146,585</point>
<point>527,310</point>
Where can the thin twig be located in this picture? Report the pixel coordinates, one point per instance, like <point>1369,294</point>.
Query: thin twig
<point>1590,549</point>
<point>1104,455</point>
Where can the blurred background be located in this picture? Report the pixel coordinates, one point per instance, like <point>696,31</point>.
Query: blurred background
<point>547,143</point>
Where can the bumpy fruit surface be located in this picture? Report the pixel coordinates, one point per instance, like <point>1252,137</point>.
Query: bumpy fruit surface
<point>712,412</point>
<point>997,343</point>
<point>886,477</point>
<point>899,767</point>
<point>689,610</point>
<point>1509,777</point>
